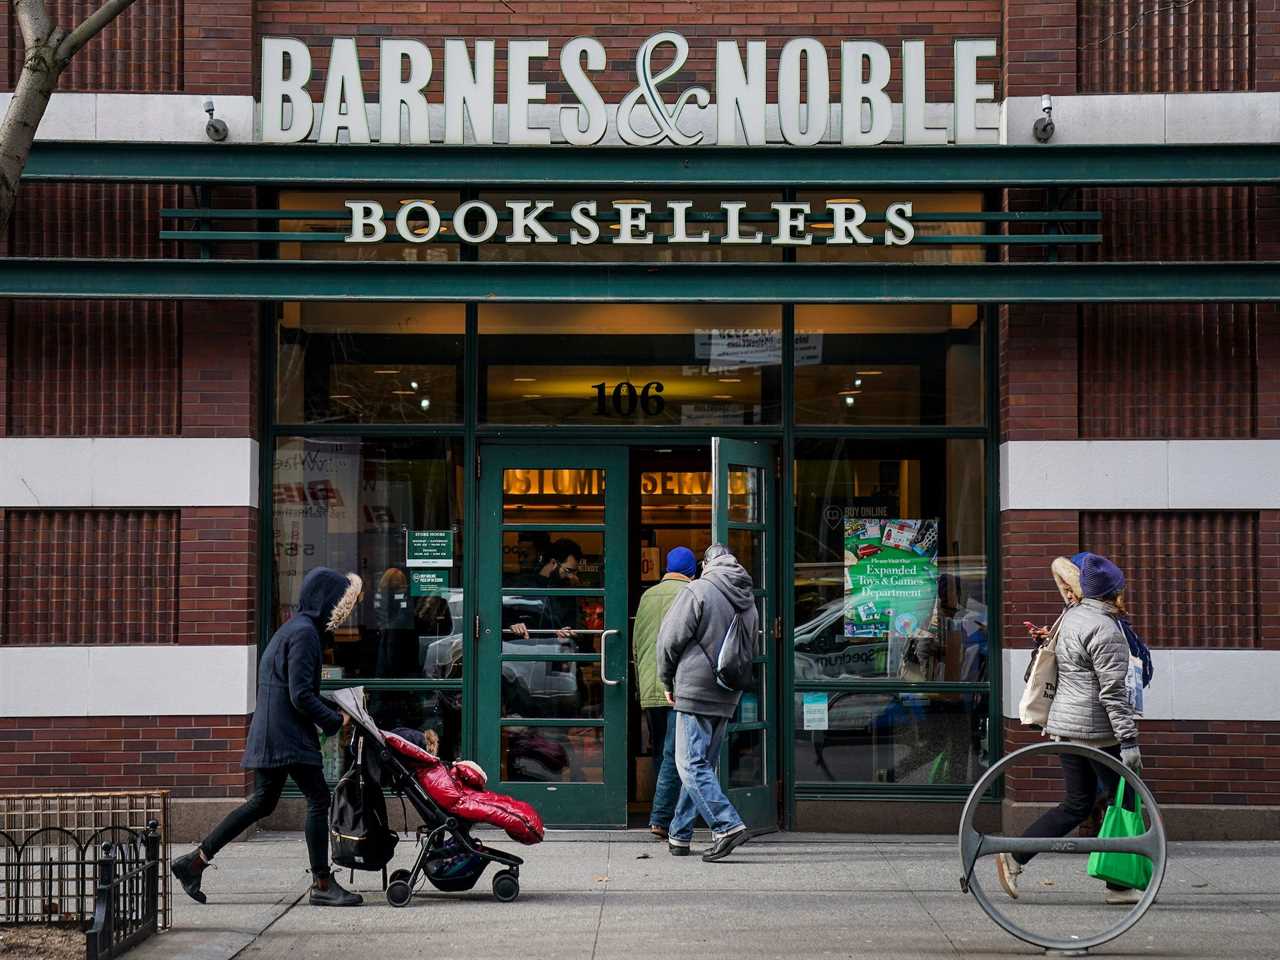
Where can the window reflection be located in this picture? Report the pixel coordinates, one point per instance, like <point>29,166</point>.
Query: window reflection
<point>351,505</point>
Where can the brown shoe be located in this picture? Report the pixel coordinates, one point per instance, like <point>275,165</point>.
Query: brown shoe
<point>659,833</point>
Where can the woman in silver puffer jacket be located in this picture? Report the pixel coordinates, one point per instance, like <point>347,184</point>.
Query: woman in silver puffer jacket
<point>1090,705</point>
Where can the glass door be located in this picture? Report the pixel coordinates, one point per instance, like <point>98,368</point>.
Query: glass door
<point>742,518</point>
<point>552,630</point>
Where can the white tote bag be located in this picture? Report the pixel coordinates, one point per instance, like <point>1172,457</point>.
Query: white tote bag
<point>1041,681</point>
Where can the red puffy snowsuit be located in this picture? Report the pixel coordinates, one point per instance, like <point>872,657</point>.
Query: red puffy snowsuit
<point>458,788</point>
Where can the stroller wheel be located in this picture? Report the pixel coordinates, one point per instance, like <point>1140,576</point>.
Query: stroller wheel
<point>506,886</point>
<point>398,875</point>
<point>399,893</point>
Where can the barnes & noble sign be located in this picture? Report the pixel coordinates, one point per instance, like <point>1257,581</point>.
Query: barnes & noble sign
<point>413,98</point>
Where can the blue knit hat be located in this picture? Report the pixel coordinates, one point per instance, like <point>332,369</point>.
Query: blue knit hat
<point>1099,577</point>
<point>681,560</point>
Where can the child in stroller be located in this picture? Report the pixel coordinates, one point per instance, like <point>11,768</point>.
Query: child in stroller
<point>451,799</point>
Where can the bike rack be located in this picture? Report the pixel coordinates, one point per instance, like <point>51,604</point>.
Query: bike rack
<point>974,845</point>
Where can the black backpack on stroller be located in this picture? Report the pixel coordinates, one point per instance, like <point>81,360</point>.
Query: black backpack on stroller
<point>359,836</point>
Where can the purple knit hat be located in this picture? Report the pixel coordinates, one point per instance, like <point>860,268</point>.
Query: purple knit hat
<point>1099,577</point>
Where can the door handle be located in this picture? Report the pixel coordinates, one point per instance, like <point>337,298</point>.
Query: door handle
<point>604,637</point>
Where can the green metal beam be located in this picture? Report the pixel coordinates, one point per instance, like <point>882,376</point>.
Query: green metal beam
<point>740,168</point>
<point>643,282</point>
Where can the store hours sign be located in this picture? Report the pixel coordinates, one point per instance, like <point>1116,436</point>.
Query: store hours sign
<point>417,96</point>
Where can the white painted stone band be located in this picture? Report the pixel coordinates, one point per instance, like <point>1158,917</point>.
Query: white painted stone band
<point>128,472</point>
<point>1181,118</point>
<point>1188,684</point>
<point>127,681</point>
<point>1140,475</point>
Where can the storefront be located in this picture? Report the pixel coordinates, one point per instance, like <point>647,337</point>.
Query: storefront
<point>500,377</point>
<point>841,450</point>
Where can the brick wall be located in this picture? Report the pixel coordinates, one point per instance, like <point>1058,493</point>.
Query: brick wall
<point>220,369</point>
<point>1220,762</point>
<point>218,575</point>
<point>192,756</point>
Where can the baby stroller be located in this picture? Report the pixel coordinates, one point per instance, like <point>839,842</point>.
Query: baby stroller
<point>450,799</point>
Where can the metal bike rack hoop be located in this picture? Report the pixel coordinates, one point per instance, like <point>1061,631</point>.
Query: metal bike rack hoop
<point>974,845</point>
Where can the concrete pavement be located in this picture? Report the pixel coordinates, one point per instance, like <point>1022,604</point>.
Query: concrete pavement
<point>620,895</point>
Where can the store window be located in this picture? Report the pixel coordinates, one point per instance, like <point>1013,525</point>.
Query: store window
<point>891,587</point>
<point>369,362</point>
<point>630,364</point>
<point>391,511</point>
<point>889,365</point>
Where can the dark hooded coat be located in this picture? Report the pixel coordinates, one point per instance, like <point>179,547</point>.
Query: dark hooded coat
<point>289,708</point>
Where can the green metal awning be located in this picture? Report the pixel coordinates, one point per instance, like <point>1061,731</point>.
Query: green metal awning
<point>640,282</point>
<point>934,167</point>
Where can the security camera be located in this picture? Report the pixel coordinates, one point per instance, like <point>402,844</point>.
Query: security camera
<point>215,129</point>
<point>1043,129</point>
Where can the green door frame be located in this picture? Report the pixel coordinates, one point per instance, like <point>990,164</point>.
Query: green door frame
<point>561,803</point>
<point>757,803</point>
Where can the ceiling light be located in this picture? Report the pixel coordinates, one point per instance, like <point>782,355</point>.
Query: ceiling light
<point>402,393</point>
<point>730,379</point>
<point>868,373</point>
<point>425,403</point>
<point>848,401</point>
<point>413,384</point>
<point>387,371</point>
<point>721,396</point>
<point>524,379</point>
<point>339,396</point>
<point>848,393</point>
<point>530,396</point>
<point>856,383</point>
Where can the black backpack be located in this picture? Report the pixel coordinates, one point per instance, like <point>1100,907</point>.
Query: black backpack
<point>732,664</point>
<point>359,837</point>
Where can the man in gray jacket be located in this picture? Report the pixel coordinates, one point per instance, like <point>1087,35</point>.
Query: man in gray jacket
<point>1090,707</point>
<point>689,641</point>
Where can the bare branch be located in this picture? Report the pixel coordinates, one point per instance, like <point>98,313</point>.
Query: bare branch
<point>90,27</point>
<point>34,21</point>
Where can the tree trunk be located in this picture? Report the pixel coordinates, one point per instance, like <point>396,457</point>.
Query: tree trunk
<point>39,76</point>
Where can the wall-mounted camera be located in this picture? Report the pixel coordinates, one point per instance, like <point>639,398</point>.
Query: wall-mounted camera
<point>1043,129</point>
<point>216,130</point>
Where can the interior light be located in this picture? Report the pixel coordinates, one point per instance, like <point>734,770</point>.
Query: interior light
<point>386,371</point>
<point>524,379</point>
<point>730,379</point>
<point>413,384</point>
<point>530,396</point>
<point>827,225</point>
<point>848,393</point>
<point>845,200</point>
<point>339,396</point>
<point>721,396</point>
<point>868,373</point>
<point>402,393</point>
<point>856,383</point>
<point>848,401</point>
<point>425,403</point>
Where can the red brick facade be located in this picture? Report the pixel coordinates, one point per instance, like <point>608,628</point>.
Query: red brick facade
<point>189,756</point>
<point>1065,373</point>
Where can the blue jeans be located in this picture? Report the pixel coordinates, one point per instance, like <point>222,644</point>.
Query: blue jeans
<point>662,730</point>
<point>697,750</point>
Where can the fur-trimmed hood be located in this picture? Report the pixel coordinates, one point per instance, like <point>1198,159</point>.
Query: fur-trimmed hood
<point>328,597</point>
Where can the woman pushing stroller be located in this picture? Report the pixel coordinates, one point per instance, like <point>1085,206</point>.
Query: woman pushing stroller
<point>282,740</point>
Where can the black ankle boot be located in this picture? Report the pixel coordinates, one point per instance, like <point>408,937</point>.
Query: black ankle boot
<point>328,892</point>
<point>188,869</point>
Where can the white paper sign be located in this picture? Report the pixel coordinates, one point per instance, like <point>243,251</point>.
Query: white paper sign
<point>815,711</point>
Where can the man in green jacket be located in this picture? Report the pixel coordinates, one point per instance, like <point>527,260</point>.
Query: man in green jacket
<point>654,604</point>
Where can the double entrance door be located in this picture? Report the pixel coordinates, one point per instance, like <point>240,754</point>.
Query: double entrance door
<point>568,537</point>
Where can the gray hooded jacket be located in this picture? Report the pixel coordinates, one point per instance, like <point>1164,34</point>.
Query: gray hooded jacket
<point>699,617</point>
<point>1090,702</point>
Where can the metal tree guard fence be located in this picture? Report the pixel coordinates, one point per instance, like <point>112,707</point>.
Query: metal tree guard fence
<point>126,896</point>
<point>51,852</point>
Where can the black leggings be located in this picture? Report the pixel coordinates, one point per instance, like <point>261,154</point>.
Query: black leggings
<point>1082,777</point>
<point>267,785</point>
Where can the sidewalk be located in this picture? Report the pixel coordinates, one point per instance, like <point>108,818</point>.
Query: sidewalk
<point>620,895</point>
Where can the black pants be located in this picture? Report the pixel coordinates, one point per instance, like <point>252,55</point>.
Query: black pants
<point>1082,778</point>
<point>267,785</point>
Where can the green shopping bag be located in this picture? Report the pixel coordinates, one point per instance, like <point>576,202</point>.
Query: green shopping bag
<point>1122,869</point>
